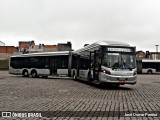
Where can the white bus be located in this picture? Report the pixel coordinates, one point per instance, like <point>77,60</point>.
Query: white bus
<point>105,61</point>
<point>41,64</point>
<point>148,66</point>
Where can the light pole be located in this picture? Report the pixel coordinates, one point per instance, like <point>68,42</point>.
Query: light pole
<point>157,48</point>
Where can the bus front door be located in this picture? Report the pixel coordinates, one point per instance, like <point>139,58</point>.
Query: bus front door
<point>95,64</point>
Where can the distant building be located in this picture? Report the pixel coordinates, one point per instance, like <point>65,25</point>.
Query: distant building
<point>30,47</point>
<point>35,48</point>
<point>155,55</point>
<point>7,49</point>
<point>50,48</point>
<point>140,54</point>
<point>41,48</point>
<point>24,46</point>
<point>64,46</point>
<point>148,55</point>
<point>2,44</point>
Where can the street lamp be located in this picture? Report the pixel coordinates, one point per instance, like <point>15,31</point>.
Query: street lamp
<point>157,48</point>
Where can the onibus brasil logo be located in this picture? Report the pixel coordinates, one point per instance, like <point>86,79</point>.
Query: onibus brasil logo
<point>21,114</point>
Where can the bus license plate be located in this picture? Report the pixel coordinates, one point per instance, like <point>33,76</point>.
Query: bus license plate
<point>121,81</point>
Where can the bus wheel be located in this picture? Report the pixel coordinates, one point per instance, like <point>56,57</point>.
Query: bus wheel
<point>44,76</point>
<point>34,73</point>
<point>149,72</point>
<point>25,73</point>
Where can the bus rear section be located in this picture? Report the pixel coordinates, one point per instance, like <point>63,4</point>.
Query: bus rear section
<point>40,64</point>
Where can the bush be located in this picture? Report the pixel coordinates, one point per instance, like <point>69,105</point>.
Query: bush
<point>4,64</point>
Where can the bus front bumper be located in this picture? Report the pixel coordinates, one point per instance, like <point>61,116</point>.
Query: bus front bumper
<point>119,79</point>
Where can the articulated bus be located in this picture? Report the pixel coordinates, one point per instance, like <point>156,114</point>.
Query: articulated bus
<point>105,61</point>
<point>41,64</point>
<point>148,66</point>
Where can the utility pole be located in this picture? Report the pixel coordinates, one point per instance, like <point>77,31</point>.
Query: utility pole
<point>157,48</point>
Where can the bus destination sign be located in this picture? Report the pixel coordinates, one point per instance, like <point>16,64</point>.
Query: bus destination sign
<point>120,49</point>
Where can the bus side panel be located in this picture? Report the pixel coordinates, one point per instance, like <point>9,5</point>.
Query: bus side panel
<point>147,69</point>
<point>83,74</point>
<point>43,72</point>
<point>62,72</point>
<point>15,71</point>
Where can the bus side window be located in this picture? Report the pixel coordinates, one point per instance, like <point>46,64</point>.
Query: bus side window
<point>62,62</point>
<point>47,62</point>
<point>13,62</point>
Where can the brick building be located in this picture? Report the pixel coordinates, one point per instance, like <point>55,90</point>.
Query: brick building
<point>7,49</point>
<point>26,44</point>
<point>140,54</point>
<point>50,48</point>
<point>30,47</point>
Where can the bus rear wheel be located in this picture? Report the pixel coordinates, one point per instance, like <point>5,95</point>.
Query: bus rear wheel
<point>25,73</point>
<point>34,73</point>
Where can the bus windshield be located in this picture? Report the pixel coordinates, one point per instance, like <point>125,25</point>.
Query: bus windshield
<point>119,60</point>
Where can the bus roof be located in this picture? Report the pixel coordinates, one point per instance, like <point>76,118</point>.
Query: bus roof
<point>112,43</point>
<point>148,60</point>
<point>104,43</point>
<point>44,54</point>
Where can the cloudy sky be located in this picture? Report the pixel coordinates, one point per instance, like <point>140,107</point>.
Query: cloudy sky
<point>136,22</point>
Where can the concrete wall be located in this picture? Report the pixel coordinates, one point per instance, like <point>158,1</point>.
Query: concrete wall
<point>35,48</point>
<point>4,56</point>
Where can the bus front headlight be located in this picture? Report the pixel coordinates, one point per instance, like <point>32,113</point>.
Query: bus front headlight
<point>107,72</point>
<point>135,73</point>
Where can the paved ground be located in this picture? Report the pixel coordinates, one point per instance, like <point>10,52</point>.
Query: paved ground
<point>83,101</point>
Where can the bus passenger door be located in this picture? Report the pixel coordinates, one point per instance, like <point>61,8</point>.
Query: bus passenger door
<point>53,66</point>
<point>95,63</point>
<point>78,65</point>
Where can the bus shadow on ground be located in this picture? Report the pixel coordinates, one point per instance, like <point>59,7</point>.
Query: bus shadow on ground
<point>105,86</point>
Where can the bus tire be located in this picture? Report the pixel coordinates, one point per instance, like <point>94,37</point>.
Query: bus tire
<point>25,73</point>
<point>44,76</point>
<point>149,72</point>
<point>34,73</point>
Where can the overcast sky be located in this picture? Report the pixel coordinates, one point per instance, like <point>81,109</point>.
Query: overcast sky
<point>136,22</point>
